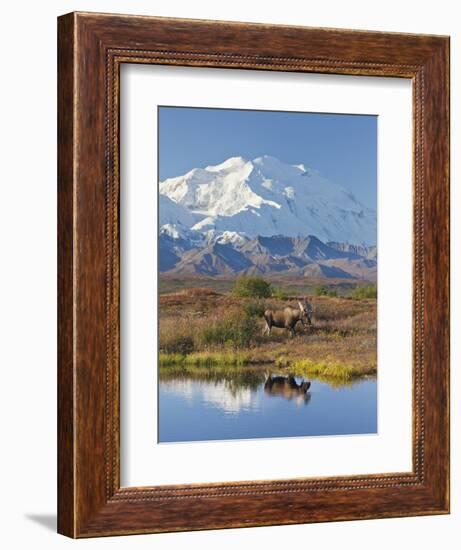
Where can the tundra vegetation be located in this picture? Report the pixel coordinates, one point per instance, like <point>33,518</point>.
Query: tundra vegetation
<point>213,323</point>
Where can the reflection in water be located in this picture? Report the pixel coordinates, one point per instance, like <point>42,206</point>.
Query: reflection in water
<point>288,387</point>
<point>242,403</point>
<point>235,393</point>
<point>229,389</point>
<point>221,393</point>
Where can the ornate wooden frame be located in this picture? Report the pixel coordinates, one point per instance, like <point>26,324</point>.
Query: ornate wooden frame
<point>91,48</point>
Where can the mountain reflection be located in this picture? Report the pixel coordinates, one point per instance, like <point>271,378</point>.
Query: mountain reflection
<point>234,391</point>
<point>214,394</point>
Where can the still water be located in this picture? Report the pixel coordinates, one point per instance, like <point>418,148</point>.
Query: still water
<point>243,405</point>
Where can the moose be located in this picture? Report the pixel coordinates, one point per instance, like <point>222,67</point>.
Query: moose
<point>288,388</point>
<point>288,317</point>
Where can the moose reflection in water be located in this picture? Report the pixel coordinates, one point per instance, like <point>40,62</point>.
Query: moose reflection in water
<point>288,388</point>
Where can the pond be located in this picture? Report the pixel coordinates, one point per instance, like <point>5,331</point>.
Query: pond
<point>252,403</point>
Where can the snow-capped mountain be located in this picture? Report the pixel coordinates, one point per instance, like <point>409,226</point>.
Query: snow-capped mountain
<point>174,219</point>
<point>242,199</point>
<point>262,216</point>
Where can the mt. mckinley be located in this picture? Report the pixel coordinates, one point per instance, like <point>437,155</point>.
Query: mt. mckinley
<point>214,220</point>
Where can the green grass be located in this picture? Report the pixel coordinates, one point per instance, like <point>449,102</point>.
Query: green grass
<point>279,293</point>
<point>365,292</point>
<point>327,370</point>
<point>252,287</point>
<point>204,359</point>
<point>234,330</point>
<point>254,308</point>
<point>326,291</point>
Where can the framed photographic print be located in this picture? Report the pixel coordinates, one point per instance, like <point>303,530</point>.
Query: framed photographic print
<point>253,275</point>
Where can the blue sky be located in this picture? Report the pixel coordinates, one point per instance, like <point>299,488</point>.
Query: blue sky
<point>342,147</point>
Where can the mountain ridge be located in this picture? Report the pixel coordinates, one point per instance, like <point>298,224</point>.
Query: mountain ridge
<point>277,255</point>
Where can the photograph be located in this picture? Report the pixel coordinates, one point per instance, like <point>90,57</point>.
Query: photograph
<point>229,238</point>
<point>267,274</point>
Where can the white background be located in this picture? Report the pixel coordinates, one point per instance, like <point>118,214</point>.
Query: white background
<point>142,89</point>
<point>28,272</point>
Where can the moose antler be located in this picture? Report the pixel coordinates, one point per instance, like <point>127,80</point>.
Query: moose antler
<point>308,305</point>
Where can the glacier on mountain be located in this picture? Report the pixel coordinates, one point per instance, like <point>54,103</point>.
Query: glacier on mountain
<point>241,198</point>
